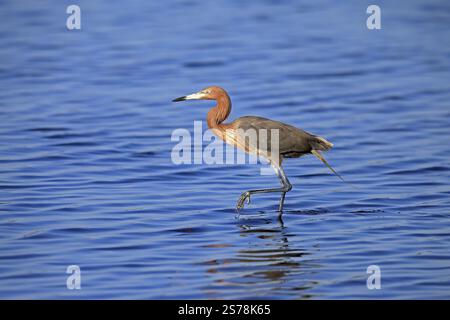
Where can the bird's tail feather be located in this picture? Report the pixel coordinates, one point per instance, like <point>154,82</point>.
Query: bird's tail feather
<point>319,143</point>
<point>321,158</point>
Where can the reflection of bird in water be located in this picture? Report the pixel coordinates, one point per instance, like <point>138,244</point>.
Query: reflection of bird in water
<point>292,142</point>
<point>266,263</point>
<point>276,252</point>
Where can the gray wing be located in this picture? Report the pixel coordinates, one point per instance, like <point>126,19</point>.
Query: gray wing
<point>293,142</point>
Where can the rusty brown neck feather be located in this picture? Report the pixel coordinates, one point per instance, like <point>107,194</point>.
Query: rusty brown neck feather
<point>220,112</point>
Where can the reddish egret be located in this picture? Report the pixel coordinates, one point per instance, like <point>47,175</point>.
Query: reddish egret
<point>292,142</point>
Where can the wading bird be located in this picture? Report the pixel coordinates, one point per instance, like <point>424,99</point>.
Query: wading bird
<point>292,142</point>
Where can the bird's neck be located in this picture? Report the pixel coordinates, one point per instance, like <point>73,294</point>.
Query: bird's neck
<point>220,112</point>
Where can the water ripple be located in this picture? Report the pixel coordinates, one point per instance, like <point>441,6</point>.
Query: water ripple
<point>86,175</point>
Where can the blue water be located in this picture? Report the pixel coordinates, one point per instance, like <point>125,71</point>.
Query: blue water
<point>86,176</point>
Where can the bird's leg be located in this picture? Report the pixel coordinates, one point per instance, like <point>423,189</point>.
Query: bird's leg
<point>280,206</point>
<point>286,186</point>
<point>246,195</point>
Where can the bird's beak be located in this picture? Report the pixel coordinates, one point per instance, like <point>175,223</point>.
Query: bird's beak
<point>194,96</point>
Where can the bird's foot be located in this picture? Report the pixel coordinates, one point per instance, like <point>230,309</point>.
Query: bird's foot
<point>242,198</point>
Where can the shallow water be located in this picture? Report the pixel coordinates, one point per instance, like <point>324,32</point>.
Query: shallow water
<point>86,176</point>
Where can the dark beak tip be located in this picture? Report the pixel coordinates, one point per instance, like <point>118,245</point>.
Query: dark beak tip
<point>179,99</point>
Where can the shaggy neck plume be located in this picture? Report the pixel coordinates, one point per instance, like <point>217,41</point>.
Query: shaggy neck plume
<point>220,112</point>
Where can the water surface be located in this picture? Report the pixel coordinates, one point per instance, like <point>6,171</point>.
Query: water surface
<point>86,176</point>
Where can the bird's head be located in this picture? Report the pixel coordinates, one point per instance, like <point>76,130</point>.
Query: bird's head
<point>210,93</point>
